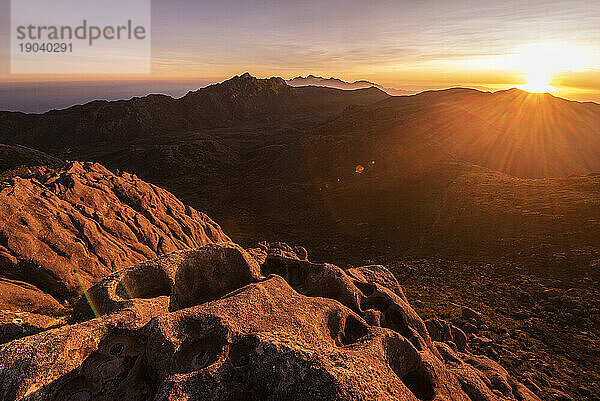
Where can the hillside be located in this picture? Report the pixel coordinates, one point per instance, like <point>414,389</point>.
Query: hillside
<point>13,157</point>
<point>522,134</point>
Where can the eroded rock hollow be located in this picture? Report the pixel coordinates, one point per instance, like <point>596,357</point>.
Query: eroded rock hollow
<point>222,323</point>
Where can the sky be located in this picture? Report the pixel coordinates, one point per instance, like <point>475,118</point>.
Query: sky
<point>540,45</point>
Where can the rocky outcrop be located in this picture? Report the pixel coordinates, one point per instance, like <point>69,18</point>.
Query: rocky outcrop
<point>172,282</point>
<point>64,230</point>
<point>285,329</point>
<point>442,331</point>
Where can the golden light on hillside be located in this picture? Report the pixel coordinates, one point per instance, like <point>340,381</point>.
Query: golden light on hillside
<point>540,61</point>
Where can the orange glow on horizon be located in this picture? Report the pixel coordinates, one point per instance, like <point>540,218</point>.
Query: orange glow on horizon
<point>542,61</point>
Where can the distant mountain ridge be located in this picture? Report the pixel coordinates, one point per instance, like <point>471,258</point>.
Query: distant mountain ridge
<point>241,100</point>
<point>336,83</point>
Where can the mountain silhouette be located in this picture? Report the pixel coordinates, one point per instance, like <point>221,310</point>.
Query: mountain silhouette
<point>311,80</point>
<point>242,100</point>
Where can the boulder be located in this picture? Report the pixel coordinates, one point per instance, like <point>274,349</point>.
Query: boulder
<point>65,229</point>
<point>443,331</point>
<point>53,365</point>
<point>26,310</point>
<point>211,272</point>
<point>24,297</point>
<point>15,325</point>
<point>306,331</point>
<point>171,282</point>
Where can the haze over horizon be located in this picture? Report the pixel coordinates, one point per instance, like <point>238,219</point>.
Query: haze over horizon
<point>41,97</point>
<point>540,46</point>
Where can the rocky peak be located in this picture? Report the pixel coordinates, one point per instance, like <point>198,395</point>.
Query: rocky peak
<point>249,85</point>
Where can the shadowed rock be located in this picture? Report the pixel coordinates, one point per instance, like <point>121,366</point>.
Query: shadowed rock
<point>25,310</point>
<point>15,157</point>
<point>442,331</point>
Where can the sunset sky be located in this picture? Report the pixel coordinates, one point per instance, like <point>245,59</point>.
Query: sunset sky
<point>403,44</point>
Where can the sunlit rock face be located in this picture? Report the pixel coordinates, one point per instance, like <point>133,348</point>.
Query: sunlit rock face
<point>266,324</point>
<point>65,228</point>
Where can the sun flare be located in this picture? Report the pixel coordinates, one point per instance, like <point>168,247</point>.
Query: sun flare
<point>538,82</point>
<point>541,61</point>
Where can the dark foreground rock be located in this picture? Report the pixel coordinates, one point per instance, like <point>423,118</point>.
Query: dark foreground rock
<point>287,329</point>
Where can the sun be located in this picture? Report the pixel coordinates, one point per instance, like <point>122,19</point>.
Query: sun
<point>538,82</point>
<point>541,61</point>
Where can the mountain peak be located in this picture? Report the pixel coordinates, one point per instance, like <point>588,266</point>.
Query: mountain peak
<point>243,77</point>
<point>248,79</point>
<point>312,80</point>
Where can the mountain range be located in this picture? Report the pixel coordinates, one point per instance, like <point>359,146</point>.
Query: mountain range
<point>311,80</point>
<point>258,153</point>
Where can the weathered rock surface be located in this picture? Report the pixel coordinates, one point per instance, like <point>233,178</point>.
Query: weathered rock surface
<point>292,330</point>
<point>172,282</point>
<point>65,229</point>
<point>25,310</point>
<point>443,331</point>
